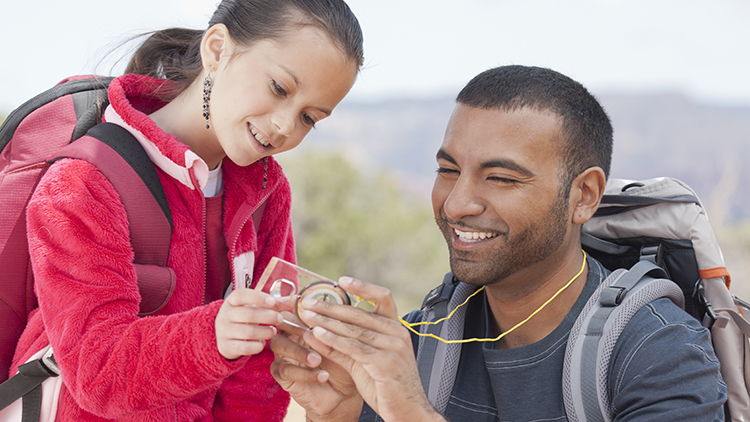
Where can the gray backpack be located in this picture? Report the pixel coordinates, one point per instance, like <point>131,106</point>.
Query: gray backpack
<point>655,237</point>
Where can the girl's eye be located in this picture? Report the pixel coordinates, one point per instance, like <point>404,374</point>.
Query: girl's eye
<point>308,120</point>
<point>279,90</point>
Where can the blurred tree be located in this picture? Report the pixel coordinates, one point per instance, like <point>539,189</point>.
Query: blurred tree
<point>348,223</point>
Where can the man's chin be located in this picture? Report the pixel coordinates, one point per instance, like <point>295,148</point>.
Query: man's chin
<point>469,272</point>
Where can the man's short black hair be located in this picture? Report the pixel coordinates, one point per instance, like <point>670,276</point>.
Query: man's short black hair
<point>587,131</point>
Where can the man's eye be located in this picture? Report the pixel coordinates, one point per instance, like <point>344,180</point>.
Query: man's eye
<point>503,180</point>
<point>443,170</point>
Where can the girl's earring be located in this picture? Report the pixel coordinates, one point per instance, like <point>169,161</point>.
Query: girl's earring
<point>208,83</point>
<point>265,172</point>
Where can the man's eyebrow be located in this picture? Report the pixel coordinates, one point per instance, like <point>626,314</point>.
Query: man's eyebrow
<point>508,165</point>
<point>497,163</point>
<point>299,86</point>
<point>442,155</point>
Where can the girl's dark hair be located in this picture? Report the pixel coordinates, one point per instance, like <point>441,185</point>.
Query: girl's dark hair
<point>174,54</point>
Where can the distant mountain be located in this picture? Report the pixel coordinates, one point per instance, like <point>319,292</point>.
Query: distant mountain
<point>706,146</point>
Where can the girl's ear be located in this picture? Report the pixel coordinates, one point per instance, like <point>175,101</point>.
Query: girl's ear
<point>215,45</point>
<point>587,192</point>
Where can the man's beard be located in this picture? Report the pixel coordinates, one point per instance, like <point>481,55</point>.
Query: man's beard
<point>532,245</point>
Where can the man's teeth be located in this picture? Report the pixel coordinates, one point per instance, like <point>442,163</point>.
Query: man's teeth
<point>258,137</point>
<point>473,236</point>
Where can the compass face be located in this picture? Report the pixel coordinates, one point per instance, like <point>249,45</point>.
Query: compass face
<point>324,291</point>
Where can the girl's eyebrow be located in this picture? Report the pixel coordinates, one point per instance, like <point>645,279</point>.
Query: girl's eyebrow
<point>292,74</point>
<point>299,86</point>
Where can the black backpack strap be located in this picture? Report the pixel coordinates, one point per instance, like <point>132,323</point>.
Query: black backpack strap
<point>122,159</point>
<point>27,383</point>
<point>125,144</point>
<point>90,89</point>
<point>437,361</point>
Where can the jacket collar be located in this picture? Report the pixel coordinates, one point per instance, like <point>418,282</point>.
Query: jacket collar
<point>132,97</point>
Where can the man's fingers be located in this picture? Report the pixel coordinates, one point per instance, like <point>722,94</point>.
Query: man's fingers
<point>287,373</point>
<point>283,347</point>
<point>352,322</point>
<point>378,295</point>
<point>357,341</point>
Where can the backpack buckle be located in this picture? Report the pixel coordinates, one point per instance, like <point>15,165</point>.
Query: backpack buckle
<point>48,361</point>
<point>710,318</point>
<point>612,295</point>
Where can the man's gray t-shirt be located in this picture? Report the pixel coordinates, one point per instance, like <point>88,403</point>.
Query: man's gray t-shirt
<point>663,368</point>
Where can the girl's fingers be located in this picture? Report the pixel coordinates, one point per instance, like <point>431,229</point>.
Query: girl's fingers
<point>250,297</point>
<point>253,315</point>
<point>233,349</point>
<point>244,332</point>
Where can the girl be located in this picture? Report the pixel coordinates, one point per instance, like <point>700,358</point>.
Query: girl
<point>210,108</point>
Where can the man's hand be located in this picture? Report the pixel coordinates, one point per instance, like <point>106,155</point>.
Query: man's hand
<point>373,348</point>
<point>322,387</point>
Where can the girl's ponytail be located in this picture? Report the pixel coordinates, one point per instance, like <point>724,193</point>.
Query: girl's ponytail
<point>172,54</point>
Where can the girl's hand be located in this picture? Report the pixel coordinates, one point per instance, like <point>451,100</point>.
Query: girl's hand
<point>245,321</point>
<point>321,387</point>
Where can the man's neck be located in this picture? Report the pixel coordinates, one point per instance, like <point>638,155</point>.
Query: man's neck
<point>514,299</point>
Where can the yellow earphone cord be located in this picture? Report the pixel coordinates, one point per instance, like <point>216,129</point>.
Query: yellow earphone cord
<point>469,340</point>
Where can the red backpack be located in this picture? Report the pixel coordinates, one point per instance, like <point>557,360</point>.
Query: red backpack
<point>64,121</point>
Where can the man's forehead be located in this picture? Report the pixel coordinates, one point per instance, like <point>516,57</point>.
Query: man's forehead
<point>490,133</point>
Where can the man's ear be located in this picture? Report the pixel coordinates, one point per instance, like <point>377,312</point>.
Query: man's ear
<point>586,193</point>
<point>215,46</point>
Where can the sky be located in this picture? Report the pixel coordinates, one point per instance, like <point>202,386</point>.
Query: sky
<point>427,48</point>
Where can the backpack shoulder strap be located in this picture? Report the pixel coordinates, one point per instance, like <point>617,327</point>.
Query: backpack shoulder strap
<point>89,96</point>
<point>122,159</point>
<point>438,361</point>
<point>595,332</point>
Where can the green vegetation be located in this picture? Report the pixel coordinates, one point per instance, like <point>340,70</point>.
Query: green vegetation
<point>348,223</point>
<point>734,240</point>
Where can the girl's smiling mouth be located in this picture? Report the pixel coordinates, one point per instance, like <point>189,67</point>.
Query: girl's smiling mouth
<point>260,137</point>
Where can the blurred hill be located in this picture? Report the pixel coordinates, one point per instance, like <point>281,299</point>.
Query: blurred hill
<point>655,135</point>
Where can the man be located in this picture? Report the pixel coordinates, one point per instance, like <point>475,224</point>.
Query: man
<point>523,165</point>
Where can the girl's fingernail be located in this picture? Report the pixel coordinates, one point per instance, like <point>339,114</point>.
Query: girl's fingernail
<point>345,281</point>
<point>270,301</point>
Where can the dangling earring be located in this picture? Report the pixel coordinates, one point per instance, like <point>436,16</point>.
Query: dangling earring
<point>265,172</point>
<point>208,83</point>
